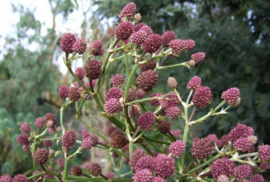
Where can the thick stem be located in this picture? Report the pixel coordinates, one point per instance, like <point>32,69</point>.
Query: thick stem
<point>130,80</point>
<point>204,164</point>
<point>127,64</point>
<point>185,141</point>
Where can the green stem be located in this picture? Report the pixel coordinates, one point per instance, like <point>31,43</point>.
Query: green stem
<point>174,65</point>
<point>100,107</point>
<point>36,175</point>
<point>185,141</point>
<point>130,80</point>
<point>65,169</point>
<point>141,100</point>
<point>120,153</point>
<point>155,146</point>
<point>127,118</point>
<point>156,141</point>
<point>61,116</point>
<point>127,64</point>
<point>33,151</point>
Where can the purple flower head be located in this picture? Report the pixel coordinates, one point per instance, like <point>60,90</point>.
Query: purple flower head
<point>148,66</point>
<point>167,37</point>
<point>176,148</point>
<point>74,94</point>
<point>69,138</point>
<point>63,91</point>
<point>5,178</point>
<point>94,169</point>
<point>76,171</point>
<point>138,37</point>
<point>242,144</point>
<point>241,172</point>
<point>118,141</point>
<point>152,43</point>
<point>223,178</point>
<point>137,154</point>
<point>145,162</point>
<point>89,142</point>
<point>155,103</point>
<point>20,178</point>
<point>189,44</point>
<point>194,83</point>
<point>198,57</point>
<point>23,139</point>
<point>50,117</point>
<point>147,29</point>
<point>129,10</point>
<point>177,46</point>
<point>165,166</point>
<point>172,82</point>
<point>60,162</point>
<point>231,95</point>
<point>47,143</point>
<point>212,137</point>
<point>256,178</point>
<point>25,128</point>
<point>67,42</point>
<point>124,30</point>
<point>202,148</point>
<point>222,166</point>
<point>112,106</point>
<point>136,111</point>
<point>264,153</point>
<point>137,27</point>
<point>147,80</point>
<point>144,175</point>
<point>240,131</point>
<point>79,46</point>
<point>117,80</point>
<point>39,122</point>
<point>93,69</point>
<point>172,112</point>
<point>158,179</point>
<point>202,97</point>
<point>113,92</point>
<point>164,127</point>
<point>97,48</point>
<point>41,156</point>
<point>79,73</point>
<point>146,121</point>
<point>110,175</point>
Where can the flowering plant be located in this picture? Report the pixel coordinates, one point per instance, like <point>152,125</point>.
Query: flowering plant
<point>134,129</point>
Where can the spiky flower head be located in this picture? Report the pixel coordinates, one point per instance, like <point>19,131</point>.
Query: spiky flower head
<point>113,92</point>
<point>177,46</point>
<point>85,134</point>
<point>147,29</point>
<point>202,148</point>
<point>231,95</point>
<point>144,175</point>
<point>155,103</point>
<point>137,27</point>
<point>112,106</point>
<point>189,44</point>
<point>256,178</point>
<point>152,43</point>
<point>212,137</point>
<point>198,57</point>
<point>145,162</point>
<point>176,148</point>
<point>202,97</point>
<point>23,139</point>
<point>138,37</point>
<point>60,162</point>
<point>67,42</point>
<point>139,94</point>
<point>240,131</point>
<point>172,112</point>
<point>41,156</point>
<point>97,48</point>
<point>25,127</point>
<point>165,166</point>
<point>39,122</point>
<point>76,171</point>
<point>222,166</point>
<point>93,69</point>
<point>167,37</point>
<point>118,141</point>
<point>194,83</point>
<point>137,154</point>
<point>172,100</point>
<point>19,178</point>
<point>172,82</point>
<point>5,178</point>
<point>148,66</point>
<point>63,91</point>
<point>223,178</point>
<point>124,30</point>
<point>89,142</point>
<point>158,179</point>
<point>47,143</point>
<point>146,121</point>
<point>147,80</point>
<point>79,46</point>
<point>69,138</point>
<point>50,117</point>
<point>253,139</point>
<point>264,153</point>
<point>242,144</point>
<point>93,168</point>
<point>241,172</point>
<point>164,127</point>
<point>117,80</point>
<point>129,10</point>
<point>74,94</point>
<point>80,73</point>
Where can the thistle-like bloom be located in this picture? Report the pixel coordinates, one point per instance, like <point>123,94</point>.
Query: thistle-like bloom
<point>167,37</point>
<point>202,148</point>
<point>47,143</point>
<point>152,43</point>
<point>165,166</point>
<point>63,91</point>
<point>23,139</point>
<point>264,153</point>
<point>41,156</point>
<point>93,69</point>
<point>49,117</point>
<point>137,154</point>
<point>189,44</point>
<point>158,179</point>
<point>241,172</point>
<point>242,144</point>
<point>240,131</point>
<point>113,92</point>
<point>144,175</point>
<point>172,112</point>
<point>222,166</point>
<point>129,10</point>
<point>89,142</point>
<point>112,106</point>
<point>80,73</point>
<point>198,57</point>
<point>223,178</point>
<point>60,162</point>
<point>194,83</point>
<point>97,48</point>
<point>231,95</point>
<point>5,178</point>
<point>145,162</point>
<point>67,42</point>
<point>69,139</point>
<point>147,29</point>
<point>212,137</point>
<point>147,80</point>
<point>177,46</point>
<point>172,82</point>
<point>74,94</point>
<point>164,127</point>
<point>202,97</point>
<point>137,27</point>
<point>148,66</point>
<point>76,171</point>
<point>118,141</point>
<point>79,46</point>
<point>117,80</point>
<point>25,128</point>
<point>19,178</point>
<point>138,37</point>
<point>176,148</point>
<point>110,175</point>
<point>146,121</point>
<point>155,103</point>
<point>39,122</point>
<point>93,168</point>
<point>124,30</point>
<point>256,178</point>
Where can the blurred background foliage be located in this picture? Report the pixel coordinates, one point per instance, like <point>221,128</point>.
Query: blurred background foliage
<point>234,34</point>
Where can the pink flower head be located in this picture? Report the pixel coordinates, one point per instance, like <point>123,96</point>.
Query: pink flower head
<point>93,69</point>
<point>63,91</point>
<point>25,128</point>
<point>172,112</point>
<point>148,66</point>
<point>152,43</point>
<point>69,138</point>
<point>124,30</point>
<point>5,178</point>
<point>41,156</point>
<point>49,117</point>
<point>79,46</point>
<point>146,121</point>
<point>176,133</point>
<point>113,92</point>
<point>137,27</point>
<point>39,122</point>
<point>167,37</point>
<point>67,42</point>
<point>176,148</point>
<point>147,80</point>
<point>242,144</point>
<point>145,162</point>
<point>202,97</point>
<point>144,175</point>
<point>189,44</point>
<point>138,37</point>
<point>47,143</point>
<point>137,154</point>
<point>177,46</point>
<point>256,178</point>
<point>241,172</point>
<point>93,168</point>
<point>79,73</point>
<point>19,178</point>
<point>23,139</point>
<point>222,166</point>
<point>74,94</point>
<point>240,131</point>
<point>97,48</point>
<point>129,10</point>
<point>194,83</point>
<point>202,148</point>
<point>147,29</point>
<point>164,127</point>
<point>198,57</point>
<point>89,142</point>
<point>158,179</point>
<point>60,162</point>
<point>165,166</point>
<point>155,103</point>
<point>117,80</point>
<point>264,153</point>
<point>113,106</point>
<point>231,95</point>
<point>172,82</point>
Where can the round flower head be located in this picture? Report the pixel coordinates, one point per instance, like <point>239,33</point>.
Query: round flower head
<point>222,166</point>
<point>137,154</point>
<point>137,17</point>
<point>147,80</point>
<point>116,132</point>
<point>20,178</point>
<point>23,139</point>
<point>74,94</point>
<point>63,91</point>
<point>172,112</point>
<point>223,178</point>
<point>198,57</point>
<point>60,162</point>
<point>41,156</point>
<point>147,29</point>
<point>212,137</point>
<point>112,106</point>
<point>176,133</point>
<point>158,179</point>
<point>155,103</point>
<point>167,37</point>
<point>152,43</point>
<point>194,83</point>
<point>240,131</point>
<point>47,143</point>
<point>94,169</point>
<point>242,144</point>
<point>5,178</point>
<point>113,92</point>
<point>85,134</point>
<point>189,44</point>
<point>165,166</point>
<point>39,122</point>
<point>25,148</point>
<point>25,127</point>
<point>110,130</point>
<point>139,94</point>
<point>253,139</point>
<point>176,148</point>
<point>93,69</point>
<point>79,46</point>
<point>110,175</point>
<point>51,131</point>
<point>137,27</point>
<point>79,73</point>
<point>146,121</point>
<point>124,30</point>
<point>67,42</point>
<point>231,95</point>
<point>129,10</point>
<point>145,162</point>
<point>202,97</point>
<point>97,48</point>
<point>177,46</point>
<point>118,141</point>
<point>69,139</point>
<point>89,142</point>
<point>117,80</point>
<point>148,66</point>
<point>144,175</point>
<point>256,178</point>
<point>241,172</point>
<point>164,127</point>
<point>264,153</point>
<point>138,37</point>
<point>173,100</point>
<point>50,117</point>
<point>76,171</point>
<point>172,82</point>
<point>202,148</point>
